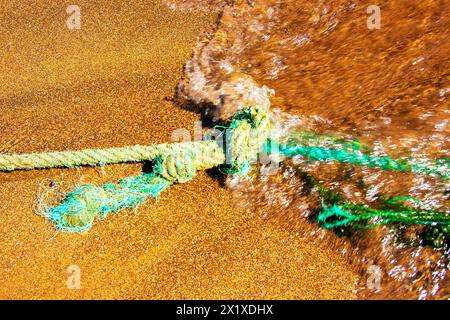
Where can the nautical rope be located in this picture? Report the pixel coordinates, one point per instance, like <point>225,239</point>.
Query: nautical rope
<point>363,217</point>
<point>242,139</point>
<point>207,155</point>
<point>173,163</point>
<point>440,167</point>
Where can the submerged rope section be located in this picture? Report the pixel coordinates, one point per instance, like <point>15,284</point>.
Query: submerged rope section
<point>339,213</point>
<point>326,147</point>
<point>241,141</point>
<point>440,167</point>
<point>363,217</point>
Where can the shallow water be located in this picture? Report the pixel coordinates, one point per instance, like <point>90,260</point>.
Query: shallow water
<point>320,65</point>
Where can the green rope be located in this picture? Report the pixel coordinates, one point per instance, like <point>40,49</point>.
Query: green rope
<point>440,168</point>
<point>327,140</point>
<point>337,213</point>
<point>80,207</point>
<point>363,217</point>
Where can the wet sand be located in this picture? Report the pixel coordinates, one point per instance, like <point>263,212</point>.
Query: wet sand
<point>110,84</point>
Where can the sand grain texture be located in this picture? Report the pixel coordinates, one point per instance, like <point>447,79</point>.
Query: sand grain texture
<point>108,85</point>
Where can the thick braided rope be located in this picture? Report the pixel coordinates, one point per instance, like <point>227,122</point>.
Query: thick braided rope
<point>207,154</point>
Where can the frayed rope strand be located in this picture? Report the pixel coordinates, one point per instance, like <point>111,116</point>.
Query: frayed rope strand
<point>82,206</point>
<point>362,217</point>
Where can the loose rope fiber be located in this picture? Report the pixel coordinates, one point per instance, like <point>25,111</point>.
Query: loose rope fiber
<point>80,207</point>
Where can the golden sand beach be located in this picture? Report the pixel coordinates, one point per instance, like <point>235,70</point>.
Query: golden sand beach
<point>110,84</point>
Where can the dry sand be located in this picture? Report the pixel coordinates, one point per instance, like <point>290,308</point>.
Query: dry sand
<point>108,85</point>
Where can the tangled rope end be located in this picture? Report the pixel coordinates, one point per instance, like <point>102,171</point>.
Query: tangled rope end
<point>172,164</point>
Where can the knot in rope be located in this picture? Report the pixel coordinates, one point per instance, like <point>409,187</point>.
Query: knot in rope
<point>248,131</point>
